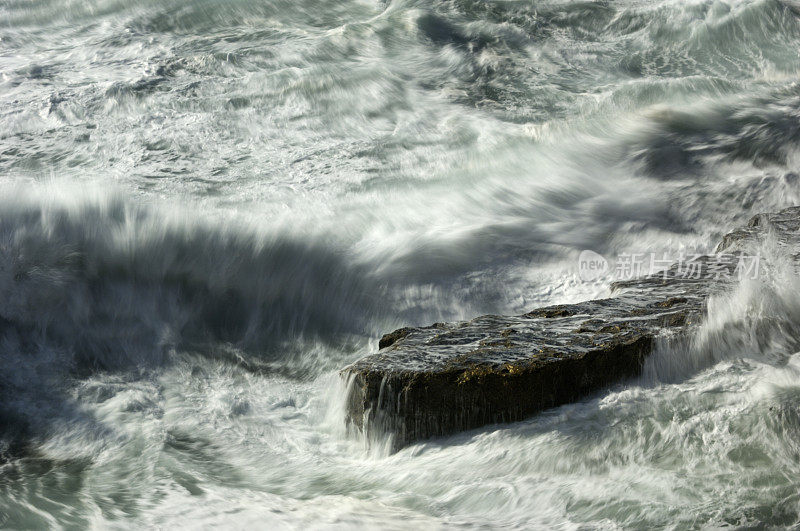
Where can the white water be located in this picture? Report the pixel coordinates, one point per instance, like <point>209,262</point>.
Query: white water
<point>207,209</point>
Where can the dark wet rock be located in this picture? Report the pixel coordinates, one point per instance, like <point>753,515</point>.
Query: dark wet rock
<point>448,377</point>
<point>392,337</point>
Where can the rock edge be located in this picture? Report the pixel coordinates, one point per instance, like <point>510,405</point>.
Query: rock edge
<point>449,377</point>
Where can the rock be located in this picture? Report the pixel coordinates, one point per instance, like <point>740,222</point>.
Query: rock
<point>448,377</point>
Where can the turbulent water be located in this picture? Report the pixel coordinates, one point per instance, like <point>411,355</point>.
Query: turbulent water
<point>208,208</point>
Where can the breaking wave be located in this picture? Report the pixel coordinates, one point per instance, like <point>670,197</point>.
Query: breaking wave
<point>293,179</point>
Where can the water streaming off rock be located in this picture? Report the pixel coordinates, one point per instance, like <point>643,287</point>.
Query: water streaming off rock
<point>208,208</point>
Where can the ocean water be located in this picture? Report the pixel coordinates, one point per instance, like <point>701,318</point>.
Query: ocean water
<point>208,208</point>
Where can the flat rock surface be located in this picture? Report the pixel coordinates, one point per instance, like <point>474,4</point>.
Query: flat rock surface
<point>439,379</point>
